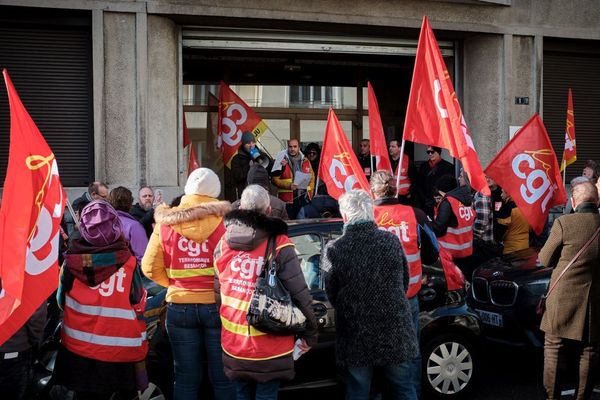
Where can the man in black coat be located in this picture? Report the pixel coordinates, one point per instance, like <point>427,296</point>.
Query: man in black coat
<point>429,173</point>
<point>143,211</point>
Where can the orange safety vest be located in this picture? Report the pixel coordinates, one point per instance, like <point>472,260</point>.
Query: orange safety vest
<point>238,271</point>
<point>404,179</point>
<point>100,322</point>
<point>287,178</point>
<point>189,264</point>
<point>459,241</point>
<point>401,221</point>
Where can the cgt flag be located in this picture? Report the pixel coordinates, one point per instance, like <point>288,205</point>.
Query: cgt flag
<point>570,152</point>
<point>235,118</point>
<point>339,167</point>
<point>378,143</point>
<point>30,215</point>
<point>527,169</point>
<point>433,115</point>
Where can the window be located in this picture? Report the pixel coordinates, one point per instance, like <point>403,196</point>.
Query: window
<point>308,249</point>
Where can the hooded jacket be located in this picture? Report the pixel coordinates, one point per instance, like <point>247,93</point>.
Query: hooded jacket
<point>196,218</point>
<point>258,175</point>
<point>246,230</point>
<point>445,216</point>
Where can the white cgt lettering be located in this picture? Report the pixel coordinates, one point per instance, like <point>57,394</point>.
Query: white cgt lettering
<point>233,135</point>
<point>401,231</point>
<point>465,213</point>
<point>247,267</point>
<point>43,232</point>
<point>193,249</point>
<point>529,191</point>
<point>107,288</point>
<point>337,165</point>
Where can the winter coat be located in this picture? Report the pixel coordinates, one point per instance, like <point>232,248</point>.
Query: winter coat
<point>145,217</point>
<point>259,176</point>
<point>240,164</point>
<point>246,230</point>
<point>426,179</point>
<point>196,218</point>
<point>516,235</point>
<point>135,234</point>
<point>445,216</point>
<point>366,277</point>
<point>573,307</point>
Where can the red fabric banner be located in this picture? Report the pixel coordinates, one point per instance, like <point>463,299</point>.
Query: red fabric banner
<point>192,160</point>
<point>339,167</point>
<point>186,133</point>
<point>570,152</point>
<point>527,169</point>
<point>235,118</point>
<point>379,148</point>
<point>32,207</point>
<point>433,115</point>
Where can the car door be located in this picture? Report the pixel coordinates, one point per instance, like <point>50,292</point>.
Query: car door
<point>317,367</point>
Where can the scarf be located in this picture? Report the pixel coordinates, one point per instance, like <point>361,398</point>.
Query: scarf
<point>92,265</point>
<point>296,161</point>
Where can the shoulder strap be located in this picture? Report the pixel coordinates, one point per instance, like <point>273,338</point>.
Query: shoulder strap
<point>270,253</point>
<point>585,246</point>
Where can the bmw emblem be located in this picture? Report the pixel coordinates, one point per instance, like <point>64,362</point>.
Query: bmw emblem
<point>497,274</point>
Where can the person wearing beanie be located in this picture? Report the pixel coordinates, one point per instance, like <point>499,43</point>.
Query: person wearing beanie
<point>247,155</point>
<point>179,256</point>
<point>258,175</point>
<point>429,173</point>
<point>101,347</point>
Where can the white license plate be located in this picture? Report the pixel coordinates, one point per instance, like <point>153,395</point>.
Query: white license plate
<point>490,318</point>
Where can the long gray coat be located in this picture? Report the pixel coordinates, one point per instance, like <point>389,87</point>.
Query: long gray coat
<point>578,291</point>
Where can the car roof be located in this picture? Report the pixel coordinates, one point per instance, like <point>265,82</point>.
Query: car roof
<point>321,225</point>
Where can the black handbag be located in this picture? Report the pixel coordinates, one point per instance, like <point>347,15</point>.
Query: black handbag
<point>540,307</point>
<point>271,308</point>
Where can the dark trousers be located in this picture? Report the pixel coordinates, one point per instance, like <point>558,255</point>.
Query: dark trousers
<point>556,351</point>
<point>15,374</point>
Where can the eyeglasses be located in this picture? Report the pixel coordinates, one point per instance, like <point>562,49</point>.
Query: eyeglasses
<point>430,151</point>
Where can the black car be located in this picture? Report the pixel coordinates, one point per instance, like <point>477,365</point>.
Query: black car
<point>505,292</point>
<point>449,333</point>
<point>449,329</point>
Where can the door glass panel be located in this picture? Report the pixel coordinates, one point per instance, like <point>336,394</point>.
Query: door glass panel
<point>314,131</point>
<point>308,249</point>
<point>279,127</point>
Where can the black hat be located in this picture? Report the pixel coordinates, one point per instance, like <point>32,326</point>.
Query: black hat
<point>445,183</point>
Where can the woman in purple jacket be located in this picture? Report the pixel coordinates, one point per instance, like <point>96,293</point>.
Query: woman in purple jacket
<point>121,199</point>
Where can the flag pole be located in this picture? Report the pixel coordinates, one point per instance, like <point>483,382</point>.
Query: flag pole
<point>564,172</point>
<point>399,169</point>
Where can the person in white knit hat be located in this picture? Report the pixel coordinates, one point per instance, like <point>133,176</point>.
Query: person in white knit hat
<point>180,256</point>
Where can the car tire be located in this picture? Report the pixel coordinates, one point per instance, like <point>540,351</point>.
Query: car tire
<point>449,365</point>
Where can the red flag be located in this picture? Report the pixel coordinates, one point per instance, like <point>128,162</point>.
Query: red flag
<point>32,208</point>
<point>339,167</point>
<point>433,115</point>
<point>192,161</point>
<point>378,144</point>
<point>186,133</point>
<point>235,118</point>
<point>527,169</point>
<point>570,152</point>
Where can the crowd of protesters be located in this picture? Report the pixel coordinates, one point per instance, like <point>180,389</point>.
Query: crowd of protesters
<point>190,248</point>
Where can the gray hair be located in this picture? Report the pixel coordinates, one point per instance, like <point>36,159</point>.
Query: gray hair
<point>578,180</point>
<point>356,205</point>
<point>255,198</point>
<point>584,193</point>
